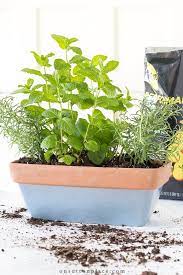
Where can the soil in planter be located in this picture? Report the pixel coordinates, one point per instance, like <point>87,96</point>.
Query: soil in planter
<point>84,161</point>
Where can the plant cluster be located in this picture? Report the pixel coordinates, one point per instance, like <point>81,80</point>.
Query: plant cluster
<point>22,128</point>
<point>52,103</point>
<point>145,136</point>
<point>62,113</point>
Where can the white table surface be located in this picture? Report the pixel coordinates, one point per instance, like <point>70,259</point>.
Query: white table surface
<point>19,259</point>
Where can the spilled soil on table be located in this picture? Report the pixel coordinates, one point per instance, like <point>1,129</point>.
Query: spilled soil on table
<point>88,245</point>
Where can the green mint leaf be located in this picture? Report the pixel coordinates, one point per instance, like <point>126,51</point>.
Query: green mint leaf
<point>60,64</point>
<point>62,41</point>
<point>67,159</point>
<point>29,83</point>
<point>34,111</point>
<point>75,142</point>
<point>51,113</point>
<point>92,145</point>
<point>68,125</point>
<point>32,71</point>
<point>76,59</point>
<point>76,50</point>
<point>49,142</point>
<point>82,125</point>
<point>96,157</point>
<point>110,66</point>
<point>98,59</point>
<point>48,154</point>
<point>72,40</point>
<point>35,97</point>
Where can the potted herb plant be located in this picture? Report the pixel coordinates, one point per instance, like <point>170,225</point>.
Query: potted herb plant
<point>78,163</point>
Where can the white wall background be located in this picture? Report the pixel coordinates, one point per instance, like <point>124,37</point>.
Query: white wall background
<point>120,29</point>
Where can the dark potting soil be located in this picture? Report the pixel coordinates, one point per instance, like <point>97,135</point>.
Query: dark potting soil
<point>10,215</point>
<point>14,215</point>
<point>20,210</point>
<point>114,244</point>
<point>129,243</point>
<point>34,221</point>
<point>84,161</point>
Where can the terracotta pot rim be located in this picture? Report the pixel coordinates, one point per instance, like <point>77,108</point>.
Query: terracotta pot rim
<point>91,177</point>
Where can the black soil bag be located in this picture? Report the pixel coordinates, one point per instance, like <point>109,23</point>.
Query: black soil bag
<point>164,76</point>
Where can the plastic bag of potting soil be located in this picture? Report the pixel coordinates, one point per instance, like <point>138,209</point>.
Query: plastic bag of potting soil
<point>164,76</point>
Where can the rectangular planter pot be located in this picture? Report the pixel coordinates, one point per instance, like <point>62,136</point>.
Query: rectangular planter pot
<point>117,196</point>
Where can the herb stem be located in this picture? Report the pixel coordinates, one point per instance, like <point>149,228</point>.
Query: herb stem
<point>66,56</point>
<point>61,109</point>
<point>94,107</point>
<point>49,104</point>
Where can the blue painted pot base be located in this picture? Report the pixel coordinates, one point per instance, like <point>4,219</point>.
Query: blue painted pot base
<point>90,205</point>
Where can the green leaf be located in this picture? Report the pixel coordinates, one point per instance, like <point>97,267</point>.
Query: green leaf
<point>24,102</point>
<point>123,104</point>
<point>68,125</point>
<point>84,104</point>
<point>98,59</point>
<point>32,71</point>
<point>127,104</point>
<point>62,41</point>
<point>85,100</point>
<point>97,115</point>
<point>48,154</point>
<point>111,103</point>
<point>67,159</point>
<point>109,89</point>
<point>50,54</point>
<point>77,59</point>
<point>86,70</point>
<point>107,103</point>
<point>36,87</point>
<point>34,111</point>
<point>77,79</point>
<point>51,113</point>
<point>82,125</point>
<point>110,66</point>
<point>96,157</point>
<point>60,64</point>
<point>75,142</point>
<point>35,97</point>
<point>45,132</point>
<point>82,87</point>
<point>76,50</point>
<point>70,114</point>
<point>105,134</point>
<point>91,145</point>
<point>70,86</point>
<point>74,99</point>
<point>38,58</point>
<point>72,40</point>
<point>102,79</point>
<point>42,60</point>
<point>48,95</point>
<point>22,91</point>
<point>30,82</point>
<point>49,142</point>
<point>50,78</point>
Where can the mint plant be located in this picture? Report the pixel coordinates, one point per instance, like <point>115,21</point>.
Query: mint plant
<point>58,93</point>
